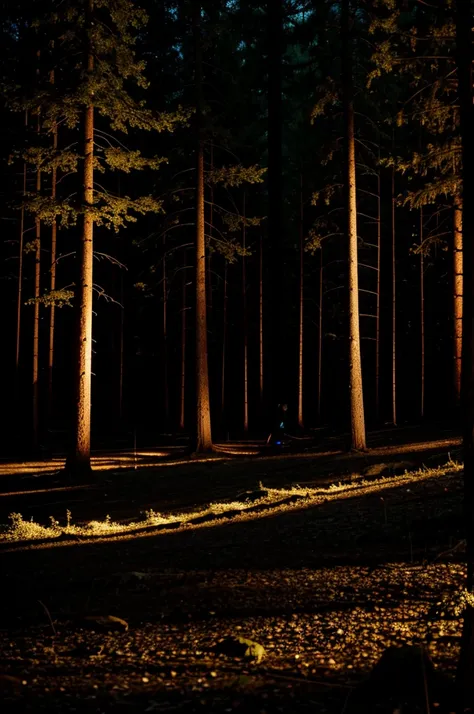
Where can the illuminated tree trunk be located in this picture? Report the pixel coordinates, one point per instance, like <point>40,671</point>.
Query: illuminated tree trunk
<point>244,308</point>
<point>394,310</point>
<point>182,398</point>
<point>358,437</point>
<point>203,434</point>
<point>320,334</point>
<point>52,281</point>
<point>458,292</point>
<point>422,316</point>
<point>79,458</point>
<point>301,311</point>
<point>465,83</point>
<point>36,317</point>
<point>211,220</point>
<point>19,300</point>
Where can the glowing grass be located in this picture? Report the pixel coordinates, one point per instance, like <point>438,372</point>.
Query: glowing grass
<point>273,500</point>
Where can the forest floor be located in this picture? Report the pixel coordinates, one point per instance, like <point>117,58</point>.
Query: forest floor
<point>324,559</point>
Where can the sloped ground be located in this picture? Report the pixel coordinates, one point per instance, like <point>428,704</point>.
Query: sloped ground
<point>324,578</point>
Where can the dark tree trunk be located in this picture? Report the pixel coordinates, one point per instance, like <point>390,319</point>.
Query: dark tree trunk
<point>165,336</point>
<point>182,395</point>
<point>301,310</point>
<point>465,78</point>
<point>394,310</point>
<point>320,335</point>
<point>244,309</point>
<point>422,318</point>
<point>276,383</point>
<point>19,300</point>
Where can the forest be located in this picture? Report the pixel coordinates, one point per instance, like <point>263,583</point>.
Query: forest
<point>237,286</point>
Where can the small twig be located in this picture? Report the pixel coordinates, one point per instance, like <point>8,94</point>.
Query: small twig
<point>49,617</point>
<point>450,551</point>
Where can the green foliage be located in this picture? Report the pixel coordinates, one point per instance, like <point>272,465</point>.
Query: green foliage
<point>54,298</point>
<point>114,87</point>
<point>236,175</point>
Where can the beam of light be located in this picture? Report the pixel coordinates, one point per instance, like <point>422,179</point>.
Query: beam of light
<point>273,503</point>
<point>142,459</point>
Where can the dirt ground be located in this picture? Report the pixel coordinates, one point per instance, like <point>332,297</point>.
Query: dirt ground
<point>325,580</point>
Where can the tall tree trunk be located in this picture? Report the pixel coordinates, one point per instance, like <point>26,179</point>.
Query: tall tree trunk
<point>244,309</point>
<point>36,317</point>
<point>121,347</point>
<point>465,79</point>
<point>52,279</point>
<point>211,221</point>
<point>457,294</point>
<point>203,434</point>
<point>224,345</point>
<point>79,458</point>
<point>320,335</point>
<point>422,316</point>
<point>182,396</point>
<point>260,324</point>
<point>358,436</point>
<point>377,306</point>
<point>301,311</point>
<point>19,300</point>
<point>275,203</point>
<point>165,335</point>
<point>394,310</point>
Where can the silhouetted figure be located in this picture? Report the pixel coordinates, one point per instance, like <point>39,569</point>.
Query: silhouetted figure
<point>279,425</point>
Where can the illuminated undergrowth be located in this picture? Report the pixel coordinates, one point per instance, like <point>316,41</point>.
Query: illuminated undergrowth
<point>260,503</point>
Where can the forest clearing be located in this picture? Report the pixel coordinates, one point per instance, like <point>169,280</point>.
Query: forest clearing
<point>324,569</point>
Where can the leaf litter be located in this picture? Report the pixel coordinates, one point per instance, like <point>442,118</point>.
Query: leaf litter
<point>323,585</point>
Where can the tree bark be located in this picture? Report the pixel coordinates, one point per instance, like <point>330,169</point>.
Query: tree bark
<point>182,397</point>
<point>464,61</point>
<point>165,336</point>
<point>394,310</point>
<point>224,345</point>
<point>52,281</point>
<point>203,434</point>
<point>19,301</point>
<point>358,436</point>
<point>277,372</point>
<point>457,298</point>
<point>320,335</point>
<point>260,324</point>
<point>36,317</point>
<point>422,317</point>
<point>244,308</point>
<point>301,311</point>
<point>79,459</point>
<point>377,307</point>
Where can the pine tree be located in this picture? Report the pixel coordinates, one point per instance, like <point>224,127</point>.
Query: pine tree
<point>98,93</point>
<point>358,437</point>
